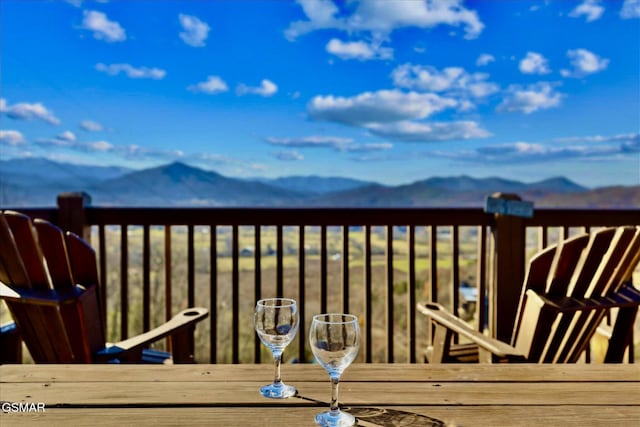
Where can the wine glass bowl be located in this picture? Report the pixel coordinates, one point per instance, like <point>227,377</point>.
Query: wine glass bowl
<point>276,323</point>
<point>335,341</point>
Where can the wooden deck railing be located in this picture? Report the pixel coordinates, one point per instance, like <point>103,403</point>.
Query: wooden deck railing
<point>375,263</point>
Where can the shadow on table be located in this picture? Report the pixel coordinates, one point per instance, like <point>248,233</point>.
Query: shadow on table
<point>391,417</point>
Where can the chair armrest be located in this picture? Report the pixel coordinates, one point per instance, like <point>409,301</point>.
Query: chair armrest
<point>440,315</point>
<point>178,323</point>
<point>38,296</point>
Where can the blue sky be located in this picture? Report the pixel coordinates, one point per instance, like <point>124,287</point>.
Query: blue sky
<point>383,90</point>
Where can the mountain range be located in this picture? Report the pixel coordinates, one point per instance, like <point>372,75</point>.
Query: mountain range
<point>37,182</point>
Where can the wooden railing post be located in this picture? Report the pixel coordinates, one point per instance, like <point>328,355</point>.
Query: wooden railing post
<point>71,213</point>
<point>507,270</point>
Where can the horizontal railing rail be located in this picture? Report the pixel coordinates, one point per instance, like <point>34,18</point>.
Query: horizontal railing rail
<point>374,262</point>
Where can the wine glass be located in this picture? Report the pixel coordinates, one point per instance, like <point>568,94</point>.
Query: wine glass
<point>335,340</point>
<point>276,322</point>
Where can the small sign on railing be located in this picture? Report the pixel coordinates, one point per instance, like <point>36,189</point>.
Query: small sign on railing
<point>508,207</point>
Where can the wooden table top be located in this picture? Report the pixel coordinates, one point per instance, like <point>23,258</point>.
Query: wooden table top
<point>378,394</point>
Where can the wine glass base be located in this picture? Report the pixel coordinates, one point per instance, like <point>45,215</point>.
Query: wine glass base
<point>278,391</point>
<point>341,419</point>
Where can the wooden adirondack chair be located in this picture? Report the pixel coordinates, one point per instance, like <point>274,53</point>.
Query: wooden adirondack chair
<point>568,290</point>
<point>50,284</point>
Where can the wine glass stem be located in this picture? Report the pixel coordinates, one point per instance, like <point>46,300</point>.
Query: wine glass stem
<point>334,409</point>
<point>277,358</point>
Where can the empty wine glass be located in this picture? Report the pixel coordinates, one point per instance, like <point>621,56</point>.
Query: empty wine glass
<point>276,322</point>
<point>335,340</point>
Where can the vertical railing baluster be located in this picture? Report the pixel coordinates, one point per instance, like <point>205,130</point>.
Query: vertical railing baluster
<point>124,282</point>
<point>146,278</point>
<point>191,267</point>
<point>168,283</point>
<point>213,294</point>
<point>323,269</point>
<point>455,273</point>
<point>302,340</point>
<point>433,273</point>
<point>279,262</point>
<point>345,269</point>
<point>455,270</point>
<point>235,297</point>
<point>257,260</point>
<point>102,247</point>
<point>481,304</point>
<point>389,291</point>
<point>367,294</point>
<point>433,263</point>
<point>168,297</point>
<point>411,290</point>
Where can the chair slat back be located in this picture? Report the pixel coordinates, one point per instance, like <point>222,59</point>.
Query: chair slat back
<point>601,282</point>
<point>62,323</point>
<point>556,324</point>
<point>54,250</point>
<point>621,256</point>
<point>85,271</point>
<point>12,269</point>
<point>536,278</point>
<point>83,260</point>
<point>592,257</point>
<point>29,250</point>
<point>629,262</point>
<point>575,326</point>
<point>564,264</point>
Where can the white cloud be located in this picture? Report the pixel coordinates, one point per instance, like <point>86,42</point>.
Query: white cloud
<point>78,3</point>
<point>359,50</point>
<point>100,146</point>
<point>212,85</point>
<point>266,88</point>
<point>529,99</point>
<point>584,62</point>
<point>377,107</point>
<point>310,141</point>
<point>102,27</point>
<point>67,136</point>
<point>631,138</point>
<point>425,78</point>
<point>131,71</point>
<point>484,59</point>
<point>289,156</point>
<point>11,137</point>
<point>134,151</point>
<point>591,9</point>
<point>333,142</point>
<point>67,140</point>
<point>91,126</point>
<point>429,132</point>
<point>26,111</point>
<point>449,79</point>
<point>320,14</point>
<point>195,31</point>
<point>534,63</point>
<point>630,9</point>
<point>56,142</point>
<point>522,152</point>
<point>381,18</point>
<point>366,148</point>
